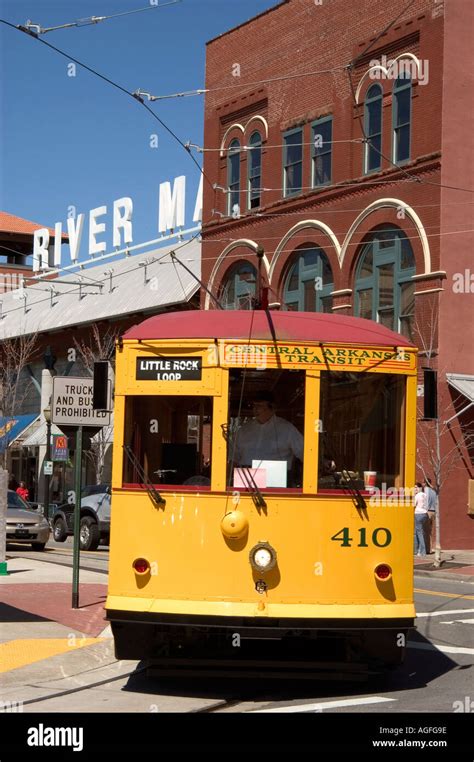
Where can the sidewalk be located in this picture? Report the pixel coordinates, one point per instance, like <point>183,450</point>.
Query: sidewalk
<point>37,621</point>
<point>456,565</point>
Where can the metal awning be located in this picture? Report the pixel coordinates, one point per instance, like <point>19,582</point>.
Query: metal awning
<point>132,286</point>
<point>12,427</point>
<point>463,383</point>
<point>38,437</point>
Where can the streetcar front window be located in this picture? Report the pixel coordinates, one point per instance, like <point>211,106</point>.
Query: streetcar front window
<point>265,429</point>
<point>361,443</point>
<point>168,438</point>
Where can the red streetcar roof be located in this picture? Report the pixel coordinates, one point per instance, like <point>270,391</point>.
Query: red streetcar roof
<point>245,324</point>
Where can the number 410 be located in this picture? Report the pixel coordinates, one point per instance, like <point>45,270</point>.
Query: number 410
<point>380,540</point>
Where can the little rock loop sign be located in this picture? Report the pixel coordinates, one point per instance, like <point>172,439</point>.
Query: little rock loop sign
<point>171,215</point>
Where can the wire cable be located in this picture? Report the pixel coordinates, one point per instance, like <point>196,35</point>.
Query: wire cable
<point>29,27</point>
<point>117,86</point>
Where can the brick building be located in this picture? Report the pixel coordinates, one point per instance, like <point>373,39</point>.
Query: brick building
<point>348,156</point>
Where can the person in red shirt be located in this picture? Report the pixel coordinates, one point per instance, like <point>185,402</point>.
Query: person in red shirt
<point>23,491</point>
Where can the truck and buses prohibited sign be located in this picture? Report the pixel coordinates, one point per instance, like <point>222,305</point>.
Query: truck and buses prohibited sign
<point>71,403</point>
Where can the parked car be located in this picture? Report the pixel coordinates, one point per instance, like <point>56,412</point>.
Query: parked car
<point>39,508</point>
<point>95,518</point>
<point>25,524</point>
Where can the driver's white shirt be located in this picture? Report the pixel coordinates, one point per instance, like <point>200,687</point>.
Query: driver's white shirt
<point>276,439</point>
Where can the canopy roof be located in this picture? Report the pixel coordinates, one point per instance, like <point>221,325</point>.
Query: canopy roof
<point>260,325</point>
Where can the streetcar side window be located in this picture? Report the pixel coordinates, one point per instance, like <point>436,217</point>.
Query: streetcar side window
<point>168,439</point>
<point>363,432</point>
<point>265,429</point>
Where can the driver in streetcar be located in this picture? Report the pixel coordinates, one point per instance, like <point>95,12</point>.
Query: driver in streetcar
<point>267,436</point>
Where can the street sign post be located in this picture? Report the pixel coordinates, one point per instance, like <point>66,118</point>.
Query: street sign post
<point>77,519</point>
<point>72,405</point>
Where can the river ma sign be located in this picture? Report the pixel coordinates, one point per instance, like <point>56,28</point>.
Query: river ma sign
<point>171,216</point>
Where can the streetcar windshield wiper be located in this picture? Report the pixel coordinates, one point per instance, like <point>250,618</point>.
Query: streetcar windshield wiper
<point>351,487</point>
<point>251,486</point>
<point>137,466</point>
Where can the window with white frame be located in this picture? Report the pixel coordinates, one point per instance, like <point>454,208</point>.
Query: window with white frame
<point>233,177</point>
<point>401,118</point>
<point>293,162</point>
<point>254,169</point>
<point>322,151</point>
<point>373,129</point>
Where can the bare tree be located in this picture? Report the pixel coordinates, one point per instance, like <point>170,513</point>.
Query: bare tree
<point>440,453</point>
<point>99,347</point>
<point>15,354</point>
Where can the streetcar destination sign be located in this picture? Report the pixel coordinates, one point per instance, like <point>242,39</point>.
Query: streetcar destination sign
<point>71,403</point>
<point>169,369</point>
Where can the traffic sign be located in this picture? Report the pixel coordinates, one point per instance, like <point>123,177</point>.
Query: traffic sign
<point>71,403</point>
<point>48,467</point>
<point>60,450</point>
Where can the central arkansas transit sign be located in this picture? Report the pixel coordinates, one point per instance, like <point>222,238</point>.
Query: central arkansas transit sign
<point>71,403</point>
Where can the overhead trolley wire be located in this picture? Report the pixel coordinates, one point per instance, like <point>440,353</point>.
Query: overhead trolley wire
<point>109,81</point>
<point>30,27</point>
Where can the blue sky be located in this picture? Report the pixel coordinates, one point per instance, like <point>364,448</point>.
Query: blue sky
<point>77,140</point>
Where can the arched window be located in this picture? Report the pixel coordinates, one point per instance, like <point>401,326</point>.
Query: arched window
<point>233,177</point>
<point>373,129</point>
<point>308,282</point>
<point>401,118</point>
<point>238,289</point>
<point>384,290</point>
<point>254,162</point>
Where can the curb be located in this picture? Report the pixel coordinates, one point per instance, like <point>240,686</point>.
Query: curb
<point>445,575</point>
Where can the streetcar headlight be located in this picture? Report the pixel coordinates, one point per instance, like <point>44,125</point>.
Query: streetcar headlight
<point>262,557</point>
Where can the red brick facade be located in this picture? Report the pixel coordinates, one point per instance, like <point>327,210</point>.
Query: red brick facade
<point>301,36</point>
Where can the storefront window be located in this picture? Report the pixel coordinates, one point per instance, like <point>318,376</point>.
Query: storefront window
<point>238,289</point>
<point>384,288</point>
<point>309,281</point>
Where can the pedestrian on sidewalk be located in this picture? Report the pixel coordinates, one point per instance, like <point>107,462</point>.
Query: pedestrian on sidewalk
<point>421,520</point>
<point>23,491</point>
<point>432,506</point>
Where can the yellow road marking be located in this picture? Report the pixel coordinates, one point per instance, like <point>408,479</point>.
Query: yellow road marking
<point>19,653</point>
<point>444,595</point>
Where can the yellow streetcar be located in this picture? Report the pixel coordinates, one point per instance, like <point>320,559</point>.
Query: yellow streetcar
<point>263,471</point>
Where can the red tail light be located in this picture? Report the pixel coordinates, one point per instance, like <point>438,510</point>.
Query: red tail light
<point>383,571</point>
<point>141,566</point>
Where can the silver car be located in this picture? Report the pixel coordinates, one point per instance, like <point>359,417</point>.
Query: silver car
<point>24,524</point>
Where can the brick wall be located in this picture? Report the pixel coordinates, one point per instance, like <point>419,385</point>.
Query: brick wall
<point>301,36</point>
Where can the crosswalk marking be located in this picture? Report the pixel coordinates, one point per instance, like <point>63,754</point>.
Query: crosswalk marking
<point>322,705</point>
<point>19,653</point>
<point>443,613</point>
<point>443,649</point>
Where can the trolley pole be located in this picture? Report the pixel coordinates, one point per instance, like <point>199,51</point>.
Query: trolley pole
<point>77,518</point>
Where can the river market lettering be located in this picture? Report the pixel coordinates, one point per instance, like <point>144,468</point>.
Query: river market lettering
<point>171,216</point>
<point>319,356</point>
